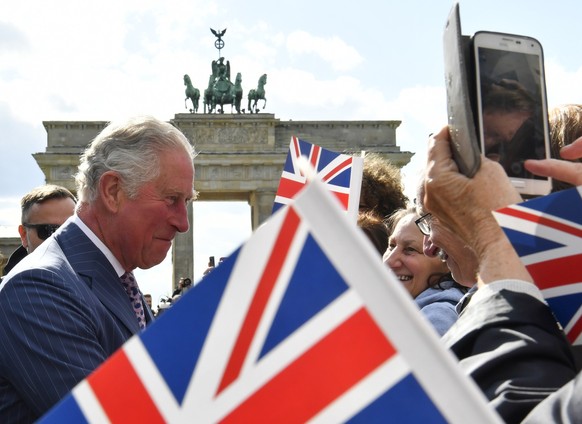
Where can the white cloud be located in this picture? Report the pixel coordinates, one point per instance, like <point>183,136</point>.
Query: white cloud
<point>563,86</point>
<point>340,55</point>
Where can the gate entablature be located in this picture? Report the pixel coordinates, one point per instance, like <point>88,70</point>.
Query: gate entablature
<point>240,156</point>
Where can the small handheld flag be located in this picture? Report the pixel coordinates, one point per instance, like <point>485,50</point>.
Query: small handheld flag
<point>341,173</point>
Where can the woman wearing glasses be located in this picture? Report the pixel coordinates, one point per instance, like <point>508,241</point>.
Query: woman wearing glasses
<point>427,279</point>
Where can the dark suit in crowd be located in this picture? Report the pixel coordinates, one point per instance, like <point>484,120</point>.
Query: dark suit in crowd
<point>513,348</point>
<point>79,290</point>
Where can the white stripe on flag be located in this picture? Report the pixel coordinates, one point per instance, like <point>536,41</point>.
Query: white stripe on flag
<point>293,177</point>
<point>152,380</point>
<point>355,187</point>
<point>525,209</point>
<point>573,321</point>
<point>286,352</point>
<point>88,403</point>
<point>563,290</point>
<point>572,244</point>
<point>274,302</point>
<point>229,317</point>
<point>365,392</point>
<point>282,200</point>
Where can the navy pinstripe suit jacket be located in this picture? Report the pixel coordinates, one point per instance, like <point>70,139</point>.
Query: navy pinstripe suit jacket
<point>63,311</point>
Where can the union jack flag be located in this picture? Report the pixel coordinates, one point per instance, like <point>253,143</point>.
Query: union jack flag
<point>342,174</point>
<point>300,324</point>
<point>546,232</point>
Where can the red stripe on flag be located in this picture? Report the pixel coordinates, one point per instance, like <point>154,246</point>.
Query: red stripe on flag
<point>296,150</point>
<point>289,188</point>
<point>345,164</point>
<point>344,198</point>
<point>121,392</point>
<point>556,272</point>
<point>261,297</point>
<point>314,156</point>
<point>575,331</point>
<point>548,222</point>
<point>318,377</point>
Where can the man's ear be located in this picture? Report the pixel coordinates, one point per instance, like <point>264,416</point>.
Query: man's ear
<point>110,190</point>
<point>22,231</point>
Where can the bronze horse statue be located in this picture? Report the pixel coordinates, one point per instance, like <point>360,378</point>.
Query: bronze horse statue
<point>258,94</point>
<point>209,103</point>
<point>192,93</point>
<point>238,92</point>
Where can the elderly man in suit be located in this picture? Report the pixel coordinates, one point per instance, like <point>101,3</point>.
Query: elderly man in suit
<point>71,303</point>
<point>507,338</point>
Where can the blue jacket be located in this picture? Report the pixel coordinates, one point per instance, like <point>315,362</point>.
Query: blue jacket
<point>63,311</point>
<point>438,305</point>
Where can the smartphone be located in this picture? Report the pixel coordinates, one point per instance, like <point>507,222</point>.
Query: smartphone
<point>511,104</point>
<point>460,94</point>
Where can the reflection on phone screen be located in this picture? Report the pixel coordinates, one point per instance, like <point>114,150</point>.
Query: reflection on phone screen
<point>512,109</point>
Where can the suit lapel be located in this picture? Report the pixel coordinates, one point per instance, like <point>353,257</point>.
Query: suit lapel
<point>94,268</point>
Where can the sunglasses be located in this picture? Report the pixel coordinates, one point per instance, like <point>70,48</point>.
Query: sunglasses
<point>43,231</point>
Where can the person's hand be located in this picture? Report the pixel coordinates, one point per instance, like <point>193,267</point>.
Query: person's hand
<point>568,172</point>
<point>464,204</point>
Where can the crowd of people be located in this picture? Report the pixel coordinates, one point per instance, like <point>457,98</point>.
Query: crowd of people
<point>71,284</point>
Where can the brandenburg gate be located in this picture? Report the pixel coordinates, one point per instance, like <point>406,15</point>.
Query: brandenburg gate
<point>240,157</point>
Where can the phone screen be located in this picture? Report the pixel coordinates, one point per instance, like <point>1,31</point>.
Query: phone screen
<point>512,106</point>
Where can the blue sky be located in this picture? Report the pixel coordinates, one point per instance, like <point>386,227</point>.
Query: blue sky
<point>346,60</point>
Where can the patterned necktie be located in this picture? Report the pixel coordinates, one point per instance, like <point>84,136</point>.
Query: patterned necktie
<point>130,285</point>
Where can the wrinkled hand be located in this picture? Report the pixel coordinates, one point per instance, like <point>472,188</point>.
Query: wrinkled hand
<point>464,204</point>
<point>568,172</point>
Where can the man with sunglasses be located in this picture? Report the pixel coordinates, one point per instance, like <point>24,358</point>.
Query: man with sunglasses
<point>44,209</point>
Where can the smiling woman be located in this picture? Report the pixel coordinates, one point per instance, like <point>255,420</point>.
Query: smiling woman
<point>427,279</point>
<point>404,256</point>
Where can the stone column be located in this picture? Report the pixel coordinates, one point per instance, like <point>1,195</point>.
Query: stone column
<point>261,202</point>
<point>182,251</point>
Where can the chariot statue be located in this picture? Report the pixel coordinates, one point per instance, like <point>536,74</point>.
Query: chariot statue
<point>221,90</point>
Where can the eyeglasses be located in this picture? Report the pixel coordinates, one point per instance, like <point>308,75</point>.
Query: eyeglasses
<point>43,231</point>
<point>423,224</point>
